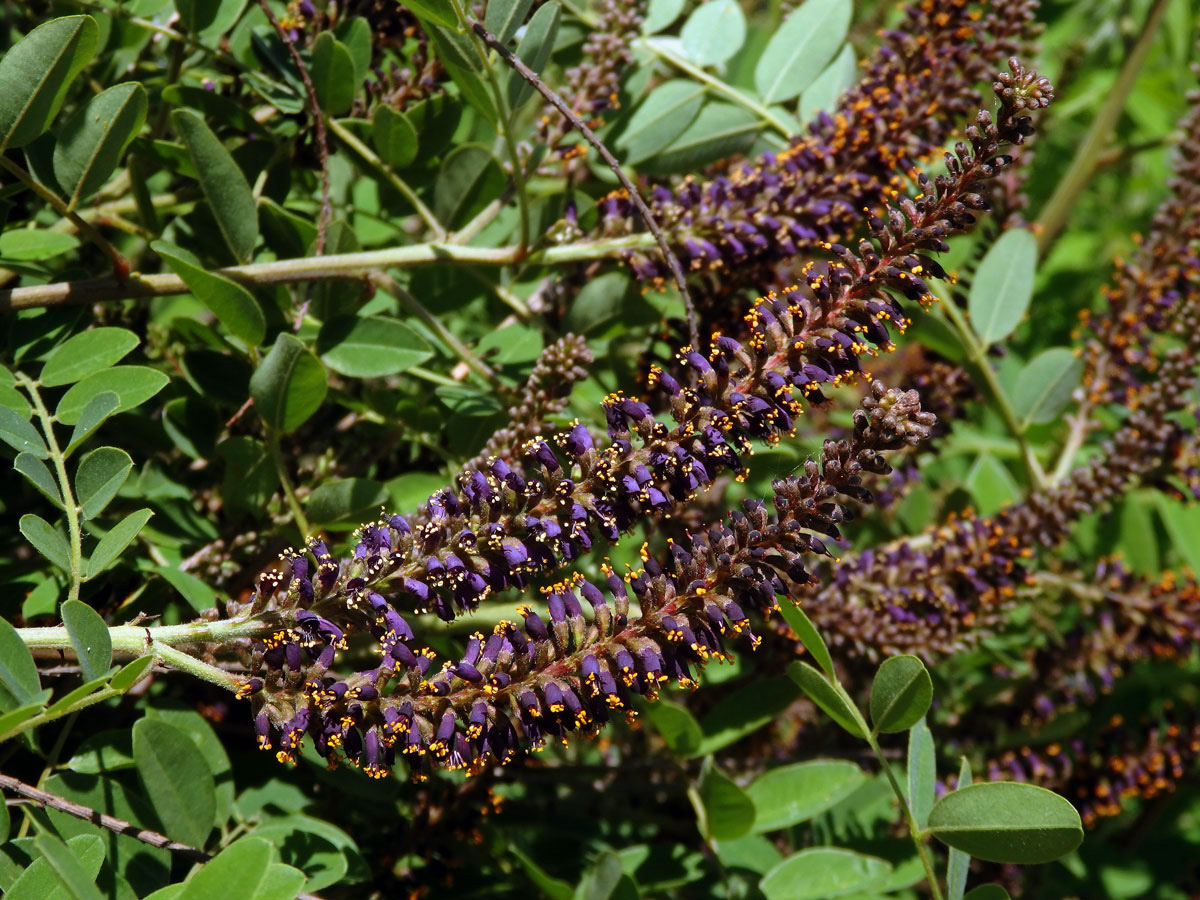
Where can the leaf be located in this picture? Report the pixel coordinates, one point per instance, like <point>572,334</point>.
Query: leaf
<point>177,780</point>
<point>800,49</point>
<point>394,137</point>
<point>727,813</point>
<point>467,181</point>
<point>90,144</point>
<point>318,848</point>
<point>1007,822</point>
<point>107,751</point>
<point>39,476</point>
<point>355,34</point>
<point>205,738</point>
<point>63,703</point>
<point>41,879</point>
<point>85,353</point>
<point>465,68</point>
<point>114,543</point>
<point>987,892</point>
<point>18,672</point>
<point>333,74</point>
<point>823,872</point>
<point>503,17</point>
<point>131,673</point>
<point>350,498</point>
<point>554,888</point>
<point>98,478</point>
<point>827,89</point>
<point>232,304</point>
<point>958,864</point>
<point>991,485</point>
<point>900,694</point>
<point>806,631</point>
<point>660,14</point>
<point>744,711</point>
<point>36,72</point>
<point>46,540</point>
<point>94,414</point>
<point>1045,385</point>
<point>370,346</point>
<point>791,794</point>
<point>35,245</point>
<point>224,185</point>
<point>244,863</point>
<point>90,638</point>
<point>661,118</point>
<point>534,50</point>
<point>196,15</point>
<point>922,772</point>
<point>720,130</point>
<point>133,385</point>
<point>1003,285</point>
<point>713,32</point>
<point>198,594</point>
<point>289,384</point>
<point>826,696</point>
<point>435,10</point>
<point>19,433</point>
<point>12,720</point>
<point>678,727</point>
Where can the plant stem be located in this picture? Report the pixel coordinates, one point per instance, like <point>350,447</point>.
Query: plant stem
<point>1058,208</point>
<point>414,306</point>
<point>309,268</point>
<point>289,489</point>
<point>70,506</point>
<point>347,137</point>
<point>914,830</point>
<point>721,87</point>
<point>503,123</point>
<point>119,262</point>
<point>978,355</point>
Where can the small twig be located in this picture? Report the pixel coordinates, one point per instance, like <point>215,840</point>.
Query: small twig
<point>319,122</point>
<point>112,823</point>
<point>634,195</point>
<point>119,262</point>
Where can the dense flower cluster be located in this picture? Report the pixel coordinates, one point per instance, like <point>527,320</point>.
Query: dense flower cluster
<point>569,672</point>
<point>914,94</point>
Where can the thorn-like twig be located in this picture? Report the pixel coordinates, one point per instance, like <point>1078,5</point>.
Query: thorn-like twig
<point>634,195</point>
<point>112,823</point>
<point>319,124</point>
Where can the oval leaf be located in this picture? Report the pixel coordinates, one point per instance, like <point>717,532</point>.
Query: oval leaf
<point>114,543</point>
<point>922,772</point>
<point>1007,822</point>
<point>244,863</point>
<point>503,17</point>
<point>19,433</point>
<point>714,32</point>
<point>93,415</point>
<point>468,180</point>
<point>720,130</point>
<point>1003,285</point>
<point>339,501</point>
<point>289,384</point>
<point>39,476</point>
<point>987,892</point>
<point>1044,387</point>
<point>394,137</point>
<point>46,540</point>
<point>225,187</point>
<point>958,864</point>
<point>233,305</point>
<point>744,711</point>
<point>85,353</point>
<point>534,49</point>
<point>806,631</point>
<point>36,72</point>
<point>61,870</point>
<point>133,385</point>
<point>790,794</point>
<point>803,46</point>
<point>90,145</point>
<point>827,89</point>
<point>661,118</point>
<point>131,673</point>
<point>90,638</point>
<point>677,726</point>
<point>100,475</point>
<point>333,74</point>
<point>823,872</point>
<point>900,694</point>
<point>18,672</point>
<point>370,346</point>
<point>728,812</point>
<point>822,693</point>
<point>177,780</point>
